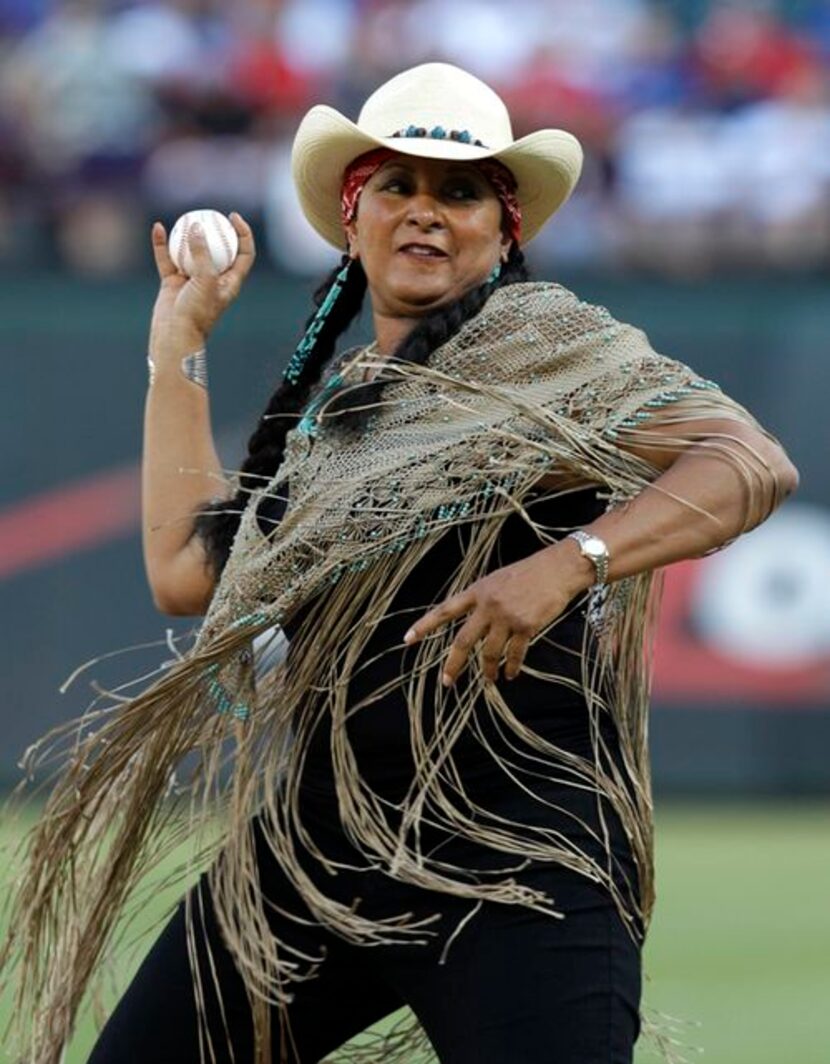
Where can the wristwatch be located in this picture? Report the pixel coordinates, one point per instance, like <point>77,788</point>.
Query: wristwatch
<point>593,547</point>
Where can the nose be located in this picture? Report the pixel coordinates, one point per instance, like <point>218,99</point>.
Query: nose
<point>423,211</point>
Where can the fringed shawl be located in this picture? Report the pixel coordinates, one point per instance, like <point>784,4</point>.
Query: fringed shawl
<point>537,383</point>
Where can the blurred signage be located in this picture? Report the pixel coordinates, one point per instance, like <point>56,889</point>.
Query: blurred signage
<point>751,623</point>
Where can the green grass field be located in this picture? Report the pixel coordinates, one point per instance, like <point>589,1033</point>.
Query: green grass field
<point>741,937</point>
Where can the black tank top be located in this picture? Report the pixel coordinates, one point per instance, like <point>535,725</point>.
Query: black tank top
<point>380,733</point>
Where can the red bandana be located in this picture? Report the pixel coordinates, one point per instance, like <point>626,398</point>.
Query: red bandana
<point>504,183</point>
<point>355,176</point>
<point>361,169</point>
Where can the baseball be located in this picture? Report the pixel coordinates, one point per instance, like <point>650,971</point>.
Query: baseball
<point>222,241</point>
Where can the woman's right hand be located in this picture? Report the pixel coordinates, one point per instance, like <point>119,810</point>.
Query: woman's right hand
<point>187,308</point>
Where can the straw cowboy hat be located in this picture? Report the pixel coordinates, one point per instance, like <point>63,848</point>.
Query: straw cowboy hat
<point>440,112</point>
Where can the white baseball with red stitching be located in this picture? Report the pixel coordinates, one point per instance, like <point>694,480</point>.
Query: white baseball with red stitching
<point>222,241</point>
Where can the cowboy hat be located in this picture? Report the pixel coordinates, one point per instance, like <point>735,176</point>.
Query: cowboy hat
<point>440,112</point>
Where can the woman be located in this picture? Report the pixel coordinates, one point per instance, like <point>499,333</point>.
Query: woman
<point>458,537</point>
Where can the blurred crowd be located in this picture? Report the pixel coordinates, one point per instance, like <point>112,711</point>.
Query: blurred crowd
<point>706,125</point>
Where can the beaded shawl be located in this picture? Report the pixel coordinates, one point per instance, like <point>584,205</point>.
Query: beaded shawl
<point>537,383</point>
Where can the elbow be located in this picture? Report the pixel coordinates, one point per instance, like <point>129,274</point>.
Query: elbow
<point>785,477</point>
<point>165,604</point>
<point>181,594</point>
<point>181,585</point>
<point>776,470</point>
<point>789,479</point>
<point>780,482</point>
<point>175,604</point>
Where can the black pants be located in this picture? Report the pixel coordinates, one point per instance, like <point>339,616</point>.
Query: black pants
<point>516,987</point>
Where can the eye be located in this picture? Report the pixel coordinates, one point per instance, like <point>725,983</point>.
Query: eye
<point>461,189</point>
<point>394,183</point>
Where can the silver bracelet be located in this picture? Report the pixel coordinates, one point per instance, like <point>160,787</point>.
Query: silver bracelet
<point>193,366</point>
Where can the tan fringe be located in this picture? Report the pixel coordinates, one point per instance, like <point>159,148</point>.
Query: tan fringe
<point>451,438</point>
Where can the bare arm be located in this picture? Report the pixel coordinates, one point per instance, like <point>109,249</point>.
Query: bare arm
<point>724,481</point>
<point>180,466</point>
<point>723,478</point>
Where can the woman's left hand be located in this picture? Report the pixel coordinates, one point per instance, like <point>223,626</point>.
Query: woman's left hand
<point>506,609</point>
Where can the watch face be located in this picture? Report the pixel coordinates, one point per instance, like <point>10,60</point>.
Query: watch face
<point>594,547</point>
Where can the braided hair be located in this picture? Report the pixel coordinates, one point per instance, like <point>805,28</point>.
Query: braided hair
<point>217,522</point>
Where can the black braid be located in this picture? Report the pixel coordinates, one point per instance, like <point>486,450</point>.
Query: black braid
<point>218,521</point>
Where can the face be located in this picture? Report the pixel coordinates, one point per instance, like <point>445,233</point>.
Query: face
<point>426,232</point>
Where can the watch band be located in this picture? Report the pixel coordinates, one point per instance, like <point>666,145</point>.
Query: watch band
<point>593,548</point>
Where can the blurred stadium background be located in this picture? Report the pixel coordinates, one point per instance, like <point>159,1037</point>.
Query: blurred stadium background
<point>703,215</point>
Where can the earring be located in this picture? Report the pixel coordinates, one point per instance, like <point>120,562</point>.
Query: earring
<point>495,273</point>
<point>298,360</point>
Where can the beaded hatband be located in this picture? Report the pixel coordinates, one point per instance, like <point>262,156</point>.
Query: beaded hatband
<point>439,133</point>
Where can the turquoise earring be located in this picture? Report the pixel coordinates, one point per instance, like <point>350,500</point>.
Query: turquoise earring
<point>298,360</point>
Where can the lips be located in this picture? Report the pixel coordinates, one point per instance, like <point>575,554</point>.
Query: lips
<point>423,251</point>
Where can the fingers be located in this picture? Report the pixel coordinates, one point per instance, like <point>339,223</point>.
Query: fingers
<point>247,249</point>
<point>467,637</point>
<point>516,652</point>
<point>493,651</point>
<point>246,253</point>
<point>449,609</point>
<point>203,265</point>
<point>499,643</point>
<point>503,639</point>
<point>164,264</point>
